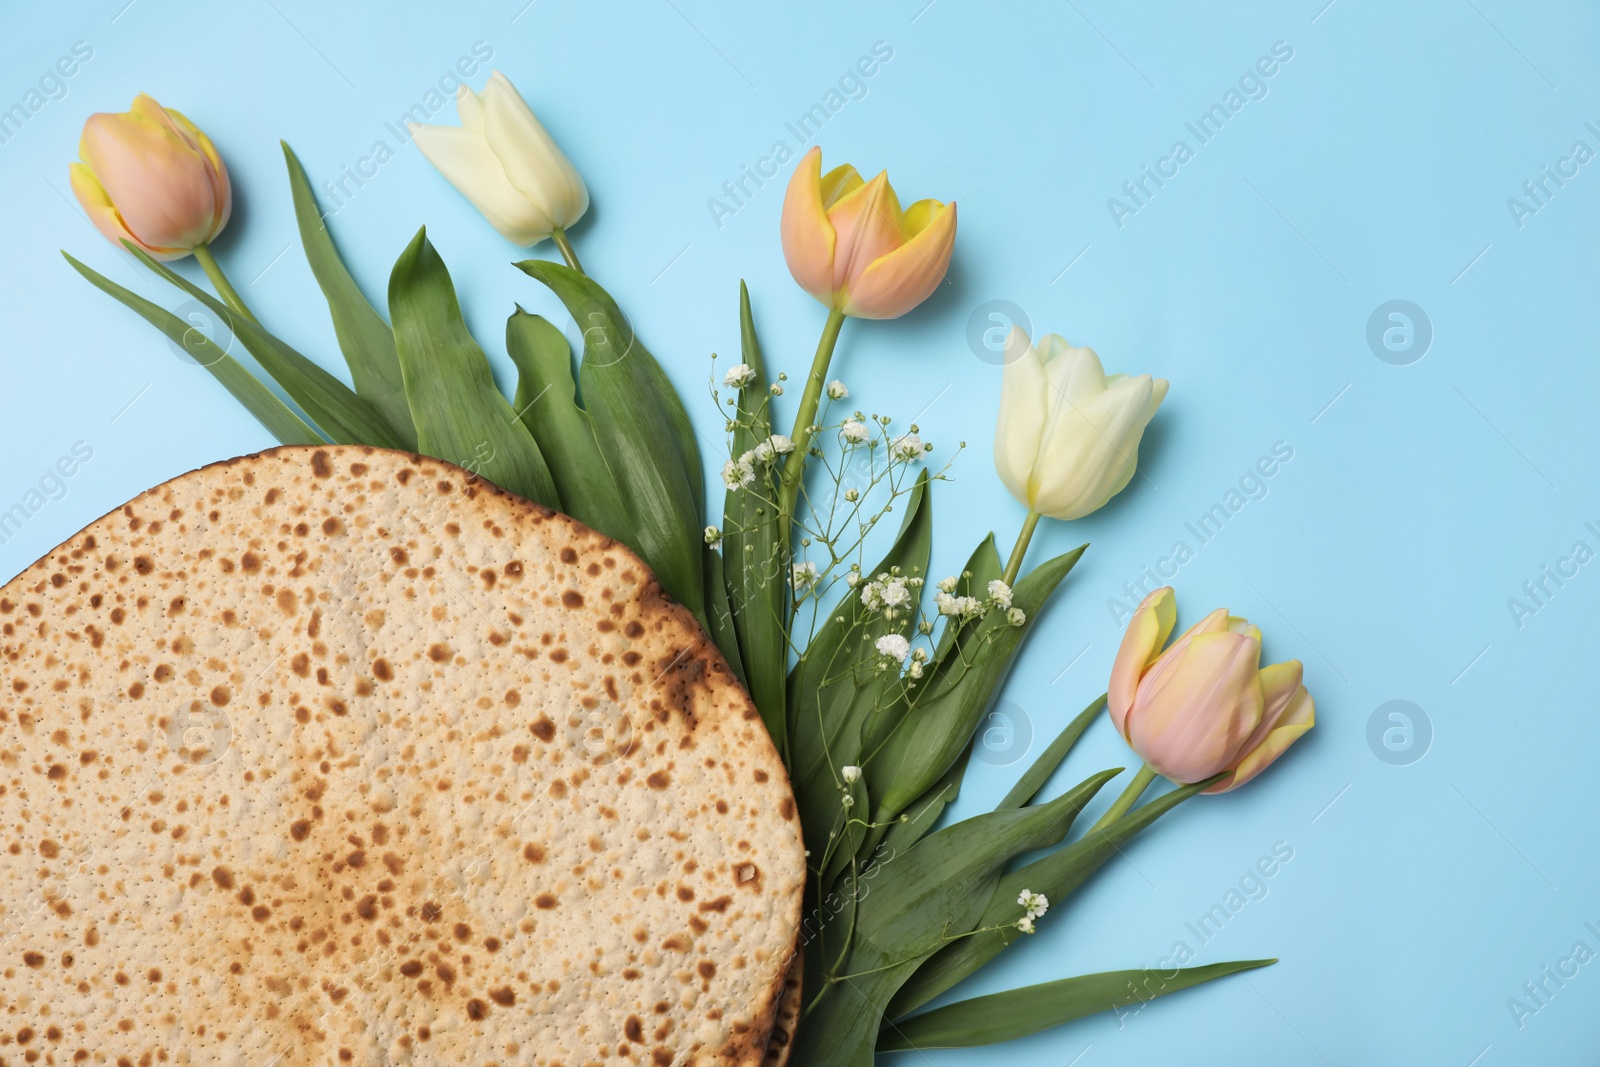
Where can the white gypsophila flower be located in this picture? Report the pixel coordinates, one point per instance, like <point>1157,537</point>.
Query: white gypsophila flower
<point>855,432</point>
<point>739,376</point>
<point>1035,904</point>
<point>1016,616</point>
<point>853,579</point>
<point>780,444</point>
<point>851,495</point>
<point>894,593</point>
<point>893,646</point>
<point>836,390</point>
<point>713,535</point>
<point>762,453</point>
<point>1000,593</point>
<point>1025,924</point>
<point>847,801</point>
<point>907,446</point>
<point>738,473</point>
<point>915,670</point>
<point>775,389</point>
<point>850,774</point>
<point>948,585</point>
<point>804,576</point>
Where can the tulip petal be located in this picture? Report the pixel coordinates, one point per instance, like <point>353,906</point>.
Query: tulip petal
<point>1298,716</point>
<point>1197,705</point>
<point>895,283</point>
<point>808,237</point>
<point>838,182</point>
<point>1088,447</point>
<point>1022,414</point>
<point>469,108</point>
<point>97,205</point>
<point>1147,631</point>
<point>464,158</point>
<point>532,162</point>
<point>867,224</point>
<point>221,187</point>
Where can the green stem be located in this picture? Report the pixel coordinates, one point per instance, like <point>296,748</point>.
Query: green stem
<point>1020,549</point>
<point>225,289</point>
<point>559,236</point>
<point>794,467</point>
<point>1129,797</point>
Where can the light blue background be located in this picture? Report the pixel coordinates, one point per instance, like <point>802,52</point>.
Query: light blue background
<point>1418,500</point>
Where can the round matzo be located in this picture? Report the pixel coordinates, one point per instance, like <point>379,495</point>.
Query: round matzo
<point>338,755</point>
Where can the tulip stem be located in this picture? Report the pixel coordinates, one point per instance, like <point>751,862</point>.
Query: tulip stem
<point>794,467</point>
<point>1129,797</point>
<point>1020,549</point>
<point>225,289</point>
<point>559,236</point>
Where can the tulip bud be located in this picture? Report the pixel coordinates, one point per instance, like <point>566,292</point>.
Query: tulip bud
<point>504,163</point>
<point>1067,439</point>
<point>151,177</point>
<point>849,244</point>
<point>1202,707</point>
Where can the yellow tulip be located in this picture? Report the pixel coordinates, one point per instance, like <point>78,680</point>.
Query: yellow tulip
<point>850,245</point>
<point>150,176</point>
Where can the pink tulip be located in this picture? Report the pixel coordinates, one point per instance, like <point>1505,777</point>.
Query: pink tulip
<point>1202,707</point>
<point>151,177</point>
<point>849,244</point>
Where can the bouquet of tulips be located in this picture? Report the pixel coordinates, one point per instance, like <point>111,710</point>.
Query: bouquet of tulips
<point>872,676</point>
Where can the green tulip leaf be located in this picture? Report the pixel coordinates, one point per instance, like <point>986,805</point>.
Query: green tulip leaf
<point>1039,770</point>
<point>917,820</point>
<point>279,419</point>
<point>918,900</point>
<point>1020,1012</point>
<point>461,417</point>
<point>337,411</point>
<point>1057,876</point>
<point>756,551</point>
<point>943,717</point>
<point>365,339</point>
<point>643,432</point>
<point>720,615</point>
<point>546,402</point>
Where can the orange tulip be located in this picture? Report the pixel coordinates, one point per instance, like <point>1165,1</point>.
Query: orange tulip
<point>151,177</point>
<point>850,245</point>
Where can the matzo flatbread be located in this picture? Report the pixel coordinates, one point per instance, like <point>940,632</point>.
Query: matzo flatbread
<point>338,755</point>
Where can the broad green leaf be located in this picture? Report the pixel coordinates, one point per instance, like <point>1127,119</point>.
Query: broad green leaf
<point>1020,1012</point>
<point>1056,876</point>
<point>720,615</point>
<point>643,432</point>
<point>461,417</point>
<point>924,812</point>
<point>346,418</point>
<point>1040,770</point>
<point>546,402</point>
<point>943,717</point>
<point>917,900</point>
<point>274,414</point>
<point>833,686</point>
<point>756,550</point>
<point>364,338</point>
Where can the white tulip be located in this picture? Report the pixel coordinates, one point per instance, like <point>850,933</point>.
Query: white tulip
<point>503,161</point>
<point>1067,440</point>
